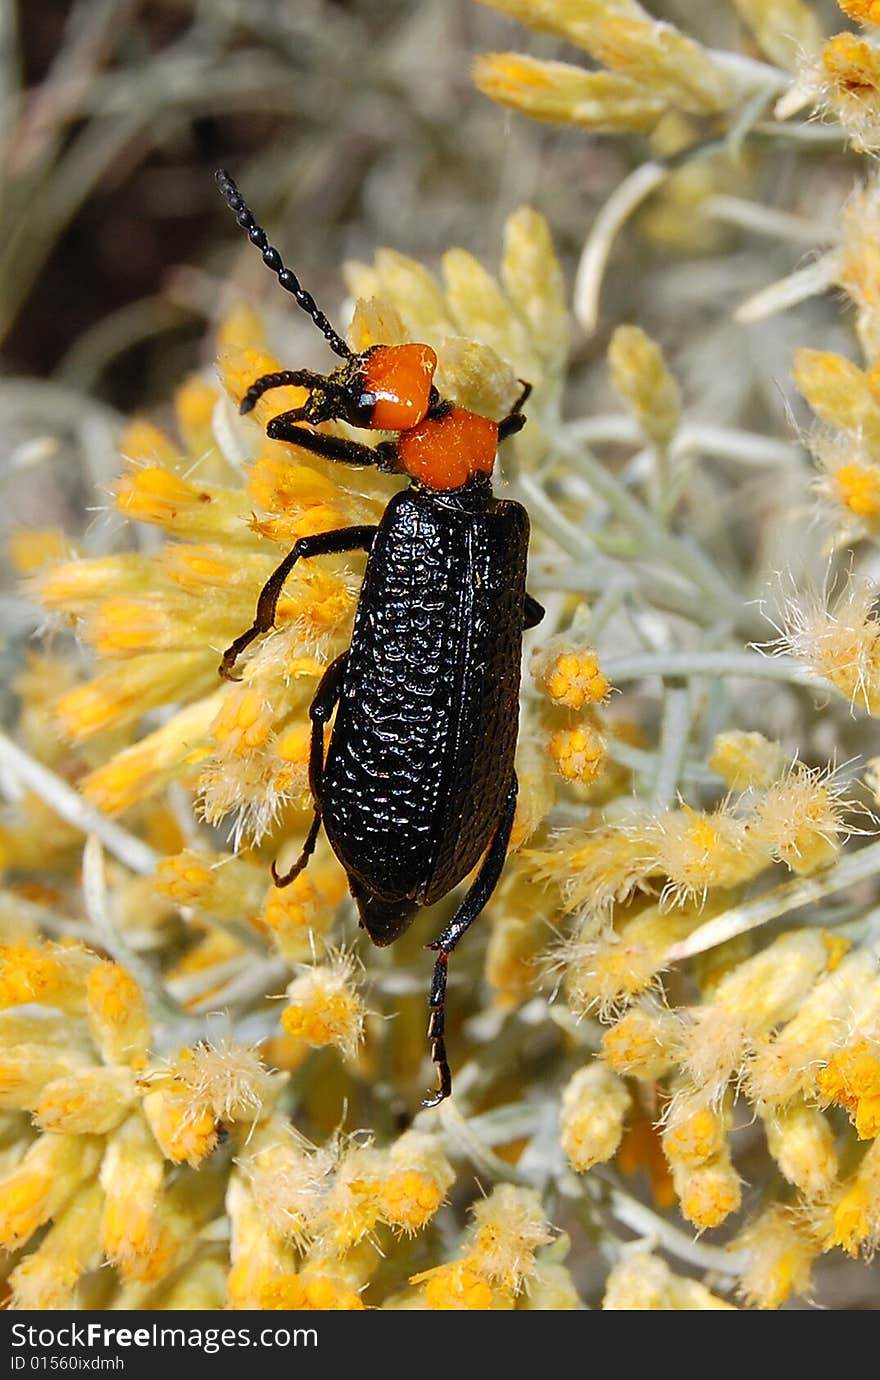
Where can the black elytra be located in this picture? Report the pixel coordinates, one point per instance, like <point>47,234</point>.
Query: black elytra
<point>417,782</point>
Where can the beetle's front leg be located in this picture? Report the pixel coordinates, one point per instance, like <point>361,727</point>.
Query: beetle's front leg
<point>321,544</point>
<point>484,884</point>
<point>284,428</point>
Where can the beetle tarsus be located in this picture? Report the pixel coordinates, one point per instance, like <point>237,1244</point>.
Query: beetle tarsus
<point>302,861</point>
<point>436,1032</point>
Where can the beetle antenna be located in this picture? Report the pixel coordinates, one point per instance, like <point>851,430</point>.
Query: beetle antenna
<point>272,259</point>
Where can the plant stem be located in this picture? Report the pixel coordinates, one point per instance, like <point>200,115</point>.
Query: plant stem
<point>802,891</point>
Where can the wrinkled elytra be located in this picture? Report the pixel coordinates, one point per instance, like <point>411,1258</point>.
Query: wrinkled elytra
<point>417,783</point>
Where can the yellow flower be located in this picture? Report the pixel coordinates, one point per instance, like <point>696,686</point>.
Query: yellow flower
<point>780,1258</point>
<point>863,11</point>
<point>119,1021</point>
<point>605,102</point>
<point>645,1283</point>
<point>855,1222</point>
<point>579,752</point>
<point>51,974</point>
<point>47,1278</point>
<point>90,1101</point>
<point>595,1102</point>
<point>458,1287</point>
<point>508,1228</point>
<point>642,378</point>
<point>644,1042</point>
<point>801,1141</point>
<point>746,759</point>
<point>417,1182</point>
<point>325,1007</point>
<point>849,77</point>
<point>695,1129</point>
<point>851,1078</point>
<point>132,1174</point>
<point>569,674</point>
<point>801,818</point>
<point>838,640</point>
<point>53,1168</point>
<point>709,1192</point>
<point>698,850</point>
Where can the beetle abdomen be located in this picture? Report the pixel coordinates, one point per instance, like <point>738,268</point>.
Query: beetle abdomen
<point>421,754</point>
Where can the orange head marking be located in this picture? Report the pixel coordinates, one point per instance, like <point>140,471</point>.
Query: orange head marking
<point>399,378</point>
<point>446,451</point>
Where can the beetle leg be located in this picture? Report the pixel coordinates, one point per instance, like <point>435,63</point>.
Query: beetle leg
<point>321,544</point>
<point>533,613</point>
<point>320,710</point>
<point>283,428</point>
<point>484,884</point>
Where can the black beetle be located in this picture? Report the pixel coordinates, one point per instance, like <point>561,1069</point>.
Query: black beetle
<point>418,780</point>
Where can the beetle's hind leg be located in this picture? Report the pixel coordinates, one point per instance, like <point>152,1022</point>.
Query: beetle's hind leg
<point>320,710</point>
<point>484,884</point>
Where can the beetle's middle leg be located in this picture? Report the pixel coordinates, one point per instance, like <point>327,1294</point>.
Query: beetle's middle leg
<point>484,884</point>
<point>320,711</point>
<point>321,544</point>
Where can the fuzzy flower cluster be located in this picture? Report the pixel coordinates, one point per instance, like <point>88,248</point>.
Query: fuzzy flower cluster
<point>210,1084</point>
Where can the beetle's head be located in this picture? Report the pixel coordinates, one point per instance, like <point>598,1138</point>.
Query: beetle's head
<point>388,387</point>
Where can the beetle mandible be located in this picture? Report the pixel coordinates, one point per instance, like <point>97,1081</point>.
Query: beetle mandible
<point>417,783</point>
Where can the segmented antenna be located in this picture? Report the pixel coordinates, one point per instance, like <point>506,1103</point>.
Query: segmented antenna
<point>272,259</point>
